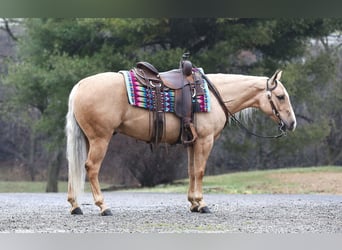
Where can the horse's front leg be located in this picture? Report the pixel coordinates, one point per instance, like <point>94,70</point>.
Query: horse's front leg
<point>197,159</point>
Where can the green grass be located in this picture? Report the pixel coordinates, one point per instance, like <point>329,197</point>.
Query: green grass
<point>34,187</point>
<point>253,182</point>
<point>26,187</point>
<point>21,186</point>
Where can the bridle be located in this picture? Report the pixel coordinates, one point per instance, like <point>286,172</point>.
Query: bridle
<point>228,114</point>
<point>269,90</point>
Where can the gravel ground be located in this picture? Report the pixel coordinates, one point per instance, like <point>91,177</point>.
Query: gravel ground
<point>156,212</point>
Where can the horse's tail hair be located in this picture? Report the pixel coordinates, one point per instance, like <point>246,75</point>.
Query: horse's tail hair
<point>76,150</point>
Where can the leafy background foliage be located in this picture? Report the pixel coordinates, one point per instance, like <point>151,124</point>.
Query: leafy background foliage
<point>54,54</point>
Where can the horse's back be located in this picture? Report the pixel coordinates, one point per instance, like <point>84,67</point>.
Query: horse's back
<point>100,100</point>
<point>100,87</point>
<point>100,83</point>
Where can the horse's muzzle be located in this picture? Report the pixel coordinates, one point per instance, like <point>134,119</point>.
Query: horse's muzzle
<point>287,126</point>
<point>292,126</point>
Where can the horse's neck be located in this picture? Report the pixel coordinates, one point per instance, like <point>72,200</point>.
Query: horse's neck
<point>239,91</point>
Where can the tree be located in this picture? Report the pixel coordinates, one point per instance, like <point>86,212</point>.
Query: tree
<point>54,54</point>
<point>5,25</point>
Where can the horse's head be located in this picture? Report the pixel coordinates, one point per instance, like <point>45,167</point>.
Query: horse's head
<point>276,103</point>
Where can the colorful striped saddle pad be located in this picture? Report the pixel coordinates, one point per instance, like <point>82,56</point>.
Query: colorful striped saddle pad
<point>143,97</point>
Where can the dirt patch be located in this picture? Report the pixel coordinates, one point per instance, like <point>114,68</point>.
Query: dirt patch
<point>330,183</point>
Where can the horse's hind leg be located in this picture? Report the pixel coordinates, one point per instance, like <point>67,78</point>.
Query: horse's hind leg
<point>97,151</point>
<point>75,209</point>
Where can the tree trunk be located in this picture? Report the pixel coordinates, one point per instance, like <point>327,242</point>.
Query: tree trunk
<point>31,157</point>
<point>53,172</point>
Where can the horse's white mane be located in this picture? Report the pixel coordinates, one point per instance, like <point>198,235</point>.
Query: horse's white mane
<point>244,115</point>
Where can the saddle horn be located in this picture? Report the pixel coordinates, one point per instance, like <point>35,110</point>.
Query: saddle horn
<point>187,67</point>
<point>185,64</point>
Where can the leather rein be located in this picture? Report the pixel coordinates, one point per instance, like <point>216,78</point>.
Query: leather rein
<point>228,113</point>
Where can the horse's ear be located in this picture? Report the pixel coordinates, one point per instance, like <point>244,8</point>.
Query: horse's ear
<point>276,76</point>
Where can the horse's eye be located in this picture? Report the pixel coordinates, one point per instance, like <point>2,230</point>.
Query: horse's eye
<point>281,97</point>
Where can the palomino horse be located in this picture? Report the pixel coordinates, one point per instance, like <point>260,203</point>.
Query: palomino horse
<point>98,108</point>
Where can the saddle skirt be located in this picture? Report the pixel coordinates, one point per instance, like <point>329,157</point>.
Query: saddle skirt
<point>141,96</point>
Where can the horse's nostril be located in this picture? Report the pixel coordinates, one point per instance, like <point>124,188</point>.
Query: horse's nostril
<point>292,126</point>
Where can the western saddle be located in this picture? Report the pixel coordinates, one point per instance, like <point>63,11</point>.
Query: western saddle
<point>185,83</point>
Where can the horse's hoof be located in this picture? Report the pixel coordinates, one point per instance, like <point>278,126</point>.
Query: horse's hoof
<point>107,212</point>
<point>77,211</point>
<point>194,209</point>
<point>204,210</point>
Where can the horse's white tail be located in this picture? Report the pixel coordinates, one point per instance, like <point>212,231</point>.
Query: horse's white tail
<point>76,150</point>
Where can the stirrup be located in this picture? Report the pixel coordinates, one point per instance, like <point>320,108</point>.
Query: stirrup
<point>193,132</point>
